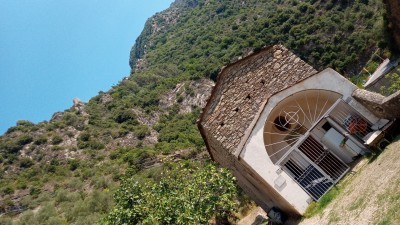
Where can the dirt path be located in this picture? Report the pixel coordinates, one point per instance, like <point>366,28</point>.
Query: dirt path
<point>371,196</point>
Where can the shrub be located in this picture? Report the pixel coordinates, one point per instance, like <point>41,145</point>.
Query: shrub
<point>56,148</point>
<point>6,220</point>
<point>100,182</point>
<point>91,144</point>
<point>125,116</point>
<point>24,139</point>
<point>7,190</point>
<point>26,163</point>
<point>179,130</point>
<point>75,183</point>
<point>50,168</point>
<point>22,125</point>
<point>94,144</point>
<point>42,139</point>
<point>179,99</point>
<point>21,184</point>
<point>73,164</point>
<point>183,196</point>
<point>11,147</point>
<point>141,131</point>
<point>70,134</point>
<point>86,141</point>
<point>115,155</point>
<point>394,83</point>
<point>73,119</point>
<point>57,139</point>
<point>84,136</point>
<point>45,213</point>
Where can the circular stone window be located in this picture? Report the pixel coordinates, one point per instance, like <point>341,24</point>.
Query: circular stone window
<point>281,123</point>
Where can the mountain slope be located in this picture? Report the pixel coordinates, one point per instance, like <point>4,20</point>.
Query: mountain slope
<point>324,33</point>
<point>65,170</point>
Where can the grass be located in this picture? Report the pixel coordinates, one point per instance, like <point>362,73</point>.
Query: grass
<point>375,154</point>
<point>390,199</point>
<point>317,207</point>
<point>360,80</point>
<point>357,204</point>
<point>333,218</point>
<point>378,204</point>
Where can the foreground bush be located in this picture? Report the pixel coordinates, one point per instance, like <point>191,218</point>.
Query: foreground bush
<point>182,196</point>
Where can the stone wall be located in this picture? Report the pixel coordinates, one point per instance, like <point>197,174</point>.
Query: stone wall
<point>241,92</point>
<point>251,183</point>
<point>244,87</point>
<point>381,106</point>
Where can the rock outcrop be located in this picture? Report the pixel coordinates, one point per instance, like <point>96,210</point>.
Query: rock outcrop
<point>188,95</point>
<point>79,106</point>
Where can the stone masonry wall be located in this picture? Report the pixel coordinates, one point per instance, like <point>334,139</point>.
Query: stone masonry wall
<point>244,87</point>
<point>263,194</point>
<point>384,107</point>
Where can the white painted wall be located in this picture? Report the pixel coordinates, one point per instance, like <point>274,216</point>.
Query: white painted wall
<point>255,155</point>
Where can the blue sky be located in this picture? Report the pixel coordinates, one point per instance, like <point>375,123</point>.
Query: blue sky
<point>52,51</point>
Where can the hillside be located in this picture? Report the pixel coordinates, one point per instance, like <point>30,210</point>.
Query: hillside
<point>66,170</point>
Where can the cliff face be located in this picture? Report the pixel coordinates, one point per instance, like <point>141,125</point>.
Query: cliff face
<point>155,26</point>
<point>393,10</point>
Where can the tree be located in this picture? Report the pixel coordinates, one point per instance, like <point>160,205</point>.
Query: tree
<point>183,196</point>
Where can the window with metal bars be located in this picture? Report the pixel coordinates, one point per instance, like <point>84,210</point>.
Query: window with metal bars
<point>352,121</point>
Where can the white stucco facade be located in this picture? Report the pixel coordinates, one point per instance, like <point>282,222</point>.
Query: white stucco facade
<point>254,153</point>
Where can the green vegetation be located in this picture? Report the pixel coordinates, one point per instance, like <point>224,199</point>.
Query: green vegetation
<point>178,131</point>
<point>360,202</point>
<point>390,198</point>
<point>65,171</point>
<point>22,125</point>
<point>324,33</point>
<point>333,218</point>
<point>184,195</point>
<point>317,207</point>
<point>57,194</point>
<point>57,139</point>
<point>394,80</point>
